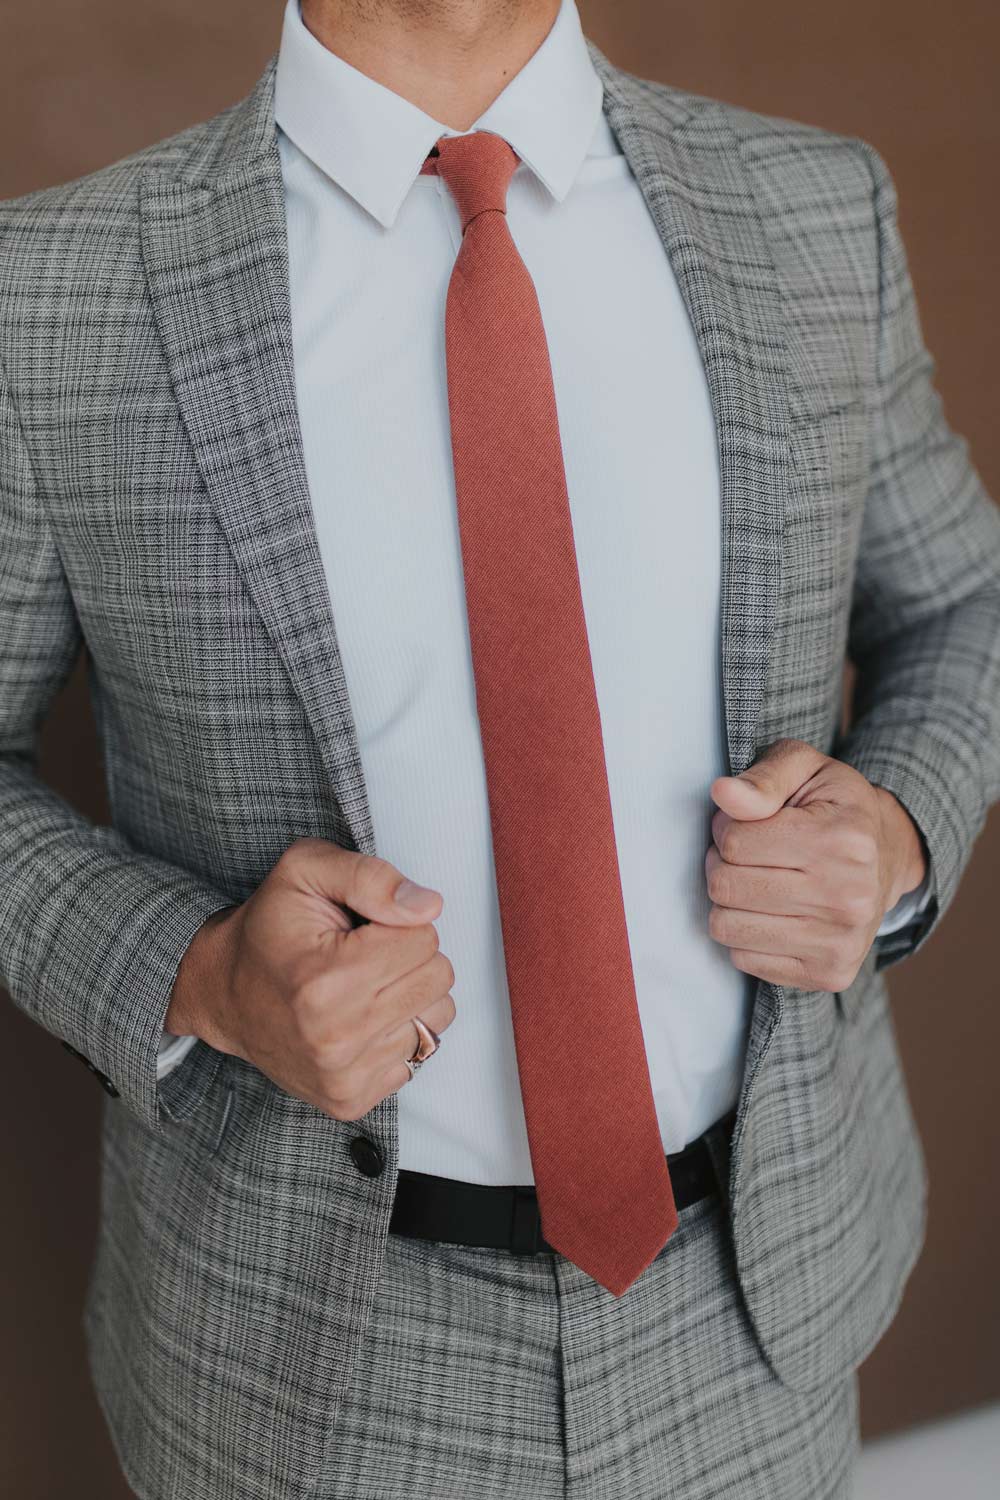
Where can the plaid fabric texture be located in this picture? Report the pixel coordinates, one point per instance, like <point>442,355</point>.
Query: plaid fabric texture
<point>490,1374</point>
<point>155,507</point>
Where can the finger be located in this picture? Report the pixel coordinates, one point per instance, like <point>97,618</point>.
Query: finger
<point>776,775</point>
<point>381,956</point>
<point>382,1069</point>
<point>412,994</point>
<point>768,966</point>
<point>784,841</point>
<point>785,893</point>
<point>393,1079</point>
<point>388,1080</point>
<point>760,933</point>
<point>369,886</point>
<point>404,1039</point>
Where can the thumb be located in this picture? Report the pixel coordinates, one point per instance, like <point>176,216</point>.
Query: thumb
<point>367,885</point>
<point>778,773</point>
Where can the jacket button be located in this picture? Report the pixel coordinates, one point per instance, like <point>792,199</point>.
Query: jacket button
<point>102,1078</point>
<point>367,1156</point>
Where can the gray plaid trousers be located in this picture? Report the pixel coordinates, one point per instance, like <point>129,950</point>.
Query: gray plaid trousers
<point>154,505</point>
<point>490,1374</point>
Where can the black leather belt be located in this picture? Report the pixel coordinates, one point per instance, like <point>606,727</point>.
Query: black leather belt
<point>507,1218</point>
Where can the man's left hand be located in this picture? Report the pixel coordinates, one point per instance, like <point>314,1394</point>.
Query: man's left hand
<point>807,857</point>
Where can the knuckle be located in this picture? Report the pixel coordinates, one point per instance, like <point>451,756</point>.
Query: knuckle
<point>413,959</point>
<point>858,846</point>
<point>310,1007</point>
<point>717,923</point>
<point>297,852</point>
<point>310,994</point>
<point>828,950</point>
<point>417,993</point>
<point>447,971</point>
<point>431,982</point>
<point>720,884</point>
<point>292,853</point>
<point>857,907</point>
<point>339,1055</point>
<point>407,944</point>
<point>350,1110</point>
<point>858,955</point>
<point>348,1100</point>
<point>728,841</point>
<point>374,877</point>
<point>422,942</point>
<point>833,977</point>
<point>443,1011</point>
<point>743,960</point>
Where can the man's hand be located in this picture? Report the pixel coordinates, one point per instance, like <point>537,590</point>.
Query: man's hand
<point>807,858</point>
<point>323,1007</point>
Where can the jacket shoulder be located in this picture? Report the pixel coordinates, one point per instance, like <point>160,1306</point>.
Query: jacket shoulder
<point>74,226</point>
<point>108,185</point>
<point>781,147</point>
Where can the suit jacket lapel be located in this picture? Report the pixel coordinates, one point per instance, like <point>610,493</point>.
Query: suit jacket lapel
<point>215,250</point>
<point>691,172</point>
<point>214,242</point>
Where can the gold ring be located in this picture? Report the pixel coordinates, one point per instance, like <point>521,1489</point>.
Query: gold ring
<point>426,1047</point>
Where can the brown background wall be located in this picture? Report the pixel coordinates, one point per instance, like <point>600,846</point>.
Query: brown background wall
<point>83,84</point>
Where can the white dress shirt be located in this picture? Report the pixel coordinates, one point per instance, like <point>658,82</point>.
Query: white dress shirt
<point>372,244</point>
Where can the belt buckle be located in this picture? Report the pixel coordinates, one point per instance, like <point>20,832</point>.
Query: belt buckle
<point>525,1222</point>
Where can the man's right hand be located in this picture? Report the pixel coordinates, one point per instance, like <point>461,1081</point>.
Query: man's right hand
<point>323,1007</point>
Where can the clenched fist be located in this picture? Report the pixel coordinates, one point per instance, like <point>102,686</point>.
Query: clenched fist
<point>807,857</point>
<point>323,1007</point>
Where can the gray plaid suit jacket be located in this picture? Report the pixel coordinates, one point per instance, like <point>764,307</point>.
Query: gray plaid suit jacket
<point>155,510</point>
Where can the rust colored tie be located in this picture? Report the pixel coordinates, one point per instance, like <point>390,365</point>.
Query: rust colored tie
<point>601,1175</point>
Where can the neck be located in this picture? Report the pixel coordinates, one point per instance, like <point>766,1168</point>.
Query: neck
<point>451,58</point>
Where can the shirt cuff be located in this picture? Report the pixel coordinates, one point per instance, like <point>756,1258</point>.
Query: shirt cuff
<point>907,908</point>
<point>173,1050</point>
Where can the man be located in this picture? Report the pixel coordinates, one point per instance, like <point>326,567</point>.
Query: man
<point>467,465</point>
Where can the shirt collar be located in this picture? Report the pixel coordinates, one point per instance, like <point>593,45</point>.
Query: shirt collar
<point>372,142</point>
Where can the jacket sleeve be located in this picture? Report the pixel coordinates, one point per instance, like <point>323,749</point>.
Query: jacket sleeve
<point>91,931</point>
<point>925,621</point>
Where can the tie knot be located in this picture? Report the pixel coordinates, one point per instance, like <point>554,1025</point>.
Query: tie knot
<point>477,168</point>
